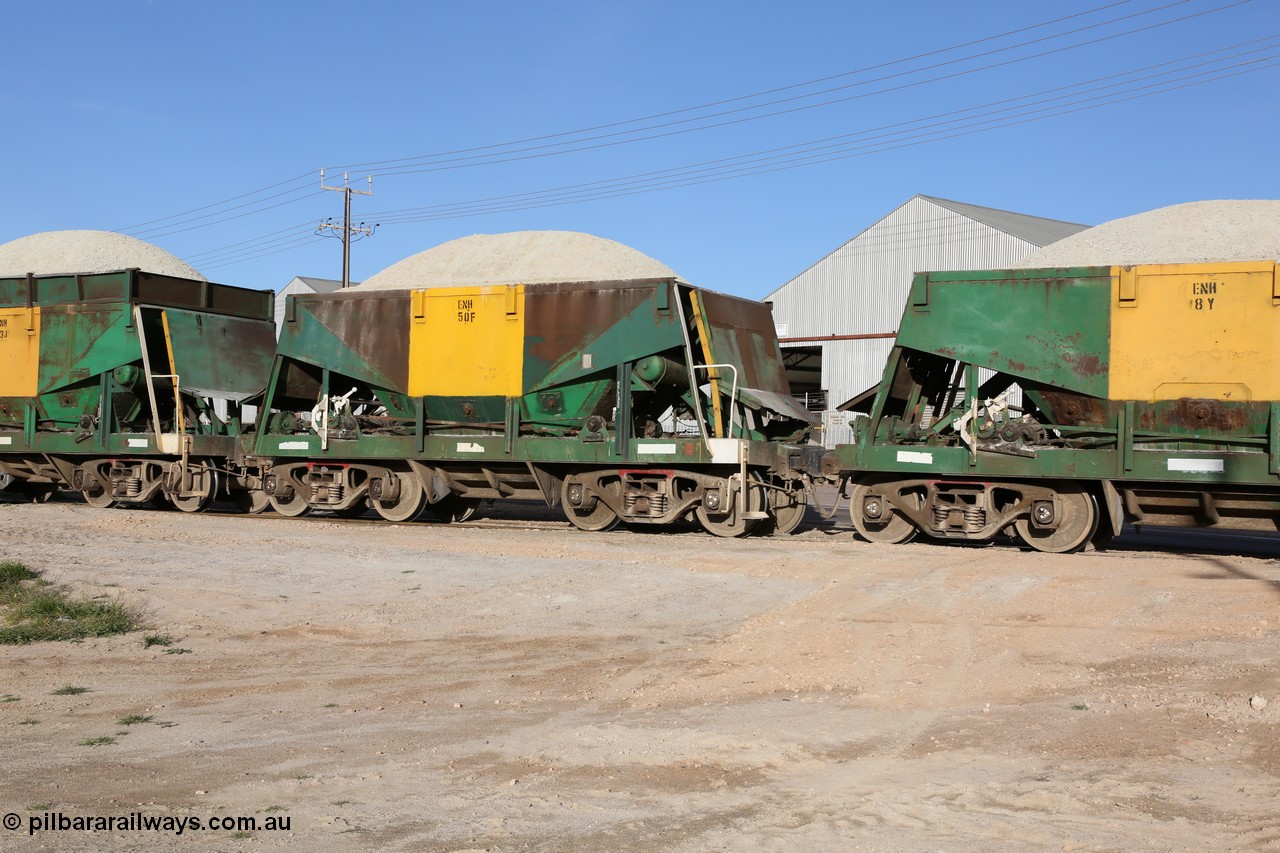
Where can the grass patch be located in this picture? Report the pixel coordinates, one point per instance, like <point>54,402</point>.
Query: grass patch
<point>134,719</point>
<point>270,809</point>
<point>9,697</point>
<point>29,721</point>
<point>35,610</point>
<point>69,690</point>
<point>39,807</point>
<point>178,652</point>
<point>13,573</point>
<point>98,741</point>
<point>157,640</point>
<point>240,833</point>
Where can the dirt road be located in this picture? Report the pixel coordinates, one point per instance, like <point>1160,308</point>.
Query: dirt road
<point>425,687</point>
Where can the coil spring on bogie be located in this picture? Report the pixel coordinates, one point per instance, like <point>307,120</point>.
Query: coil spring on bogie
<point>326,493</point>
<point>656,503</point>
<point>132,487</point>
<point>975,518</point>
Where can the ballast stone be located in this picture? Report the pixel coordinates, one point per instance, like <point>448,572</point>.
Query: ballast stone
<point>518,257</point>
<point>71,252</point>
<point>1192,233</point>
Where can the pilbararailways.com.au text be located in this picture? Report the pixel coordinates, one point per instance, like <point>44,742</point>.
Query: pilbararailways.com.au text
<point>139,822</point>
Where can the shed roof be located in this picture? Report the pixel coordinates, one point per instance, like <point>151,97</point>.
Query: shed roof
<point>319,285</point>
<point>1034,229</point>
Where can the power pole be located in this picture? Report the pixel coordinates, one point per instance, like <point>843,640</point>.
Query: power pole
<point>345,230</point>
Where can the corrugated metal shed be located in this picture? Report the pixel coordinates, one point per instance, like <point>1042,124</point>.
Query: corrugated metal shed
<point>860,288</point>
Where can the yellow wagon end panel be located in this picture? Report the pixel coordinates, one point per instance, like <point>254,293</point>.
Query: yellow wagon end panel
<point>19,351</point>
<point>1195,330</point>
<point>466,341</point>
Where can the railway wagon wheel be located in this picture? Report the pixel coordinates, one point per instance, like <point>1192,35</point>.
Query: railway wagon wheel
<point>453,509</point>
<point>786,509</point>
<point>97,492</point>
<point>36,493</point>
<point>290,507</point>
<point>891,528</point>
<point>250,501</point>
<point>408,505</point>
<point>735,522</point>
<point>1077,522</point>
<point>599,516</point>
<point>202,496</point>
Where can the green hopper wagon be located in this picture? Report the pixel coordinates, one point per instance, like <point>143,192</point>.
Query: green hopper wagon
<point>645,401</point>
<point>109,385</point>
<point>1061,403</point>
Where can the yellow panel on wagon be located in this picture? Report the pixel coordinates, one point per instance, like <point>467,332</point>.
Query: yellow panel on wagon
<point>19,351</point>
<point>466,341</point>
<point>1208,331</point>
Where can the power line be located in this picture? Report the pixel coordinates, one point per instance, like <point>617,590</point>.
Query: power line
<point>416,165</point>
<point>744,165</point>
<point>310,238</point>
<point>763,93</point>
<point>292,180</point>
<point>248,247</point>
<point>156,235</point>
<point>981,121</point>
<point>394,215</point>
<point>781,163</point>
<point>240,244</point>
<point>218,215</point>
<point>877,148</point>
<point>753,95</point>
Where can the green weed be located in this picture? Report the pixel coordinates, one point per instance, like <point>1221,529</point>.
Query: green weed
<point>35,610</point>
<point>69,690</point>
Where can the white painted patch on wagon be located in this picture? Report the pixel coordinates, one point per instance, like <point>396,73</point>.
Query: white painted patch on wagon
<point>1196,466</point>
<point>656,448</point>
<point>915,456</point>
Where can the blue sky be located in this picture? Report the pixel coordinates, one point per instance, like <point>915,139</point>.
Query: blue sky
<point>124,115</point>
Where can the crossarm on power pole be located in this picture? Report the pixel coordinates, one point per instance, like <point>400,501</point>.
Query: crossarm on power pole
<point>345,230</point>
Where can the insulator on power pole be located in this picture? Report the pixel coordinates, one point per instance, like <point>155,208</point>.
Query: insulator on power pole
<point>346,230</point>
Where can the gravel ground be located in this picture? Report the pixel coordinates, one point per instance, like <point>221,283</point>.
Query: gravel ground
<point>518,257</point>
<point>515,685</point>
<point>1196,232</point>
<point>59,252</point>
